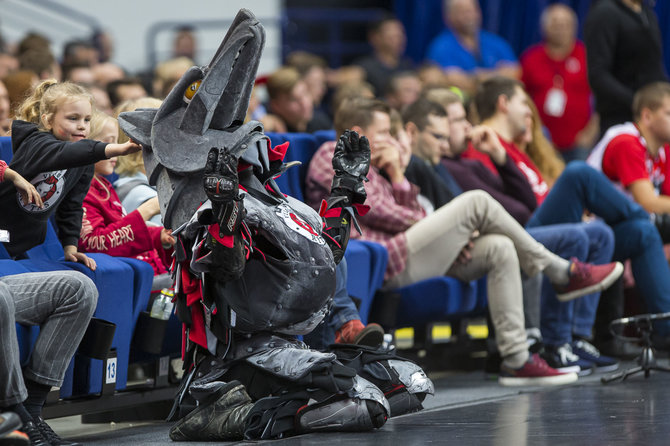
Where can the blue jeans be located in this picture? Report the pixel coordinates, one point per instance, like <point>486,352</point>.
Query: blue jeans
<point>342,311</point>
<point>590,242</point>
<point>635,237</point>
<point>575,153</point>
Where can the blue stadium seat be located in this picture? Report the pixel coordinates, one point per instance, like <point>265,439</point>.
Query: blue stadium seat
<point>301,148</point>
<point>324,136</point>
<point>6,152</point>
<point>366,275</point>
<point>435,299</point>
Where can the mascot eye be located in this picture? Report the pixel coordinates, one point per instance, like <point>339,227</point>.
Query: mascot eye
<point>190,91</point>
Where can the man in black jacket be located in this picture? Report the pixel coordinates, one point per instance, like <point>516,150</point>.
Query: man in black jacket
<point>624,53</point>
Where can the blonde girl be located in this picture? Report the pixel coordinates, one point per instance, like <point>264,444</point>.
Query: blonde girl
<point>132,186</point>
<point>105,219</point>
<point>51,150</point>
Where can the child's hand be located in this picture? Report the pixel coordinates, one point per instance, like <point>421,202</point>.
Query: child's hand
<point>27,191</point>
<point>167,239</point>
<point>72,255</point>
<point>127,148</point>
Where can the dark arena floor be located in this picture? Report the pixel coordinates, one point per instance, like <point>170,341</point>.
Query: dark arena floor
<point>468,409</point>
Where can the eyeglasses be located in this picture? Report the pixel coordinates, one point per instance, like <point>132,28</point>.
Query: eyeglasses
<point>438,136</point>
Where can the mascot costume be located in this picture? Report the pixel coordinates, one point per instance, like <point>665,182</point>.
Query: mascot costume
<point>255,268</point>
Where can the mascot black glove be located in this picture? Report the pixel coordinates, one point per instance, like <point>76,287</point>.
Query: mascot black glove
<point>222,188</point>
<point>351,163</point>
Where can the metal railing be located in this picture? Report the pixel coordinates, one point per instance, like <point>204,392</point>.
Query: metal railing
<point>154,31</point>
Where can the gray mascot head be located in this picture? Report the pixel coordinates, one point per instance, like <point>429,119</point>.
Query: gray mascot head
<point>205,109</point>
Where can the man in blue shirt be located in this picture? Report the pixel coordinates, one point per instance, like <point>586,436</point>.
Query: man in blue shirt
<point>467,53</point>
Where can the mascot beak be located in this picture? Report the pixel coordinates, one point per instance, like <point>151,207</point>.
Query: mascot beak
<point>223,98</point>
<point>137,125</point>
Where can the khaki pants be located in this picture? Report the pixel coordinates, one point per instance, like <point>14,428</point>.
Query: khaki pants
<point>502,248</point>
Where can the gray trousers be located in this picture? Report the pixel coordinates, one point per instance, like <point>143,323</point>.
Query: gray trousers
<point>61,303</point>
<point>502,249</point>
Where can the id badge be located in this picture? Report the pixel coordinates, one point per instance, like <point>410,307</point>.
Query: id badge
<point>554,103</point>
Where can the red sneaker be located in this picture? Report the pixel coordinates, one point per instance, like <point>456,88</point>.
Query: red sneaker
<point>535,372</point>
<point>354,332</point>
<point>586,278</point>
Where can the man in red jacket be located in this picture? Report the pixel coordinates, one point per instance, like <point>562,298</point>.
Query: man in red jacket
<point>555,76</point>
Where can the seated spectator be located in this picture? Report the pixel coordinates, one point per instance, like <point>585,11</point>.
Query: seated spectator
<point>101,98</point>
<point>50,146</point>
<point>8,64</point>
<point>431,76</point>
<point>61,304</point>
<point>503,105</point>
<point>290,101</point>
<point>33,41</point>
<point>125,89</point>
<point>402,89</point>
<point>470,237</point>
<point>388,40</point>
<point>19,85</point>
<point>104,73</point>
<point>79,73</point>
<point>555,76</point>
<point>351,90</point>
<point>313,71</point>
<point>467,53</point>
<point>565,326</point>
<point>132,186</point>
<point>40,62</point>
<point>108,229</point>
<point>534,142</point>
<point>78,52</point>
<point>634,155</point>
<point>168,73</point>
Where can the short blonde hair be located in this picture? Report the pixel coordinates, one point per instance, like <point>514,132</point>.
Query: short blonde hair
<point>650,96</point>
<point>129,165</point>
<point>443,96</point>
<point>47,97</point>
<point>282,81</point>
<point>98,121</point>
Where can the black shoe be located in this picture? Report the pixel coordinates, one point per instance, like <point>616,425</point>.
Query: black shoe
<point>34,434</point>
<point>51,436</point>
<point>221,418</point>
<point>9,422</point>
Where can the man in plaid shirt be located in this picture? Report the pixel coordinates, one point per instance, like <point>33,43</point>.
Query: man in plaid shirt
<point>467,238</point>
